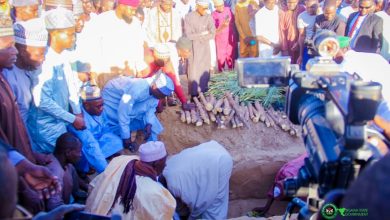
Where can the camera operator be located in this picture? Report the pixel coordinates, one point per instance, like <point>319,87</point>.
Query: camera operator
<point>370,67</point>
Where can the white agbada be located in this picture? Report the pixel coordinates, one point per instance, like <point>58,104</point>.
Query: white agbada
<point>267,25</point>
<point>200,177</point>
<point>83,42</point>
<point>115,43</point>
<point>162,27</point>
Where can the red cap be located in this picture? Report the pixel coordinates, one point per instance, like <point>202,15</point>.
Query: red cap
<point>132,3</point>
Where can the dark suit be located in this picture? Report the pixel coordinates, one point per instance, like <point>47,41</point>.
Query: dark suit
<point>370,35</point>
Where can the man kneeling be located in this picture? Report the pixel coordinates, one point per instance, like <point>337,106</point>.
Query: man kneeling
<point>129,186</point>
<point>198,177</point>
<point>98,141</point>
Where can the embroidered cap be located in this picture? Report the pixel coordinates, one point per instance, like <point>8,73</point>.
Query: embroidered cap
<point>31,33</point>
<point>59,18</point>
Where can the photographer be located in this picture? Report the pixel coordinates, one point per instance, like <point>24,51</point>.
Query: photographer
<point>370,67</point>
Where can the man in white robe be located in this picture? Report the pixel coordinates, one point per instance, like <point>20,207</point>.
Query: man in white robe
<point>117,42</point>
<point>150,201</point>
<point>199,177</point>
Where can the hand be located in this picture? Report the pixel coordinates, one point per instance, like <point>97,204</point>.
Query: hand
<point>59,212</point>
<point>29,197</point>
<point>247,40</point>
<point>204,33</point>
<point>79,122</point>
<point>39,178</point>
<point>128,144</point>
<point>42,159</point>
<point>147,131</point>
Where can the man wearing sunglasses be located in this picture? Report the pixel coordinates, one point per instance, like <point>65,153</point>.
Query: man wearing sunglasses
<point>365,29</point>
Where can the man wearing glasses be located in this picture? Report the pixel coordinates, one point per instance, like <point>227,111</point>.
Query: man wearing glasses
<point>365,29</point>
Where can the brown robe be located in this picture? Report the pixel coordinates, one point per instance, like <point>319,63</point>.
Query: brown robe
<point>12,128</point>
<point>199,63</point>
<point>288,31</point>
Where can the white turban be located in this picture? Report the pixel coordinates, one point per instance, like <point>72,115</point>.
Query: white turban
<point>204,3</point>
<point>31,33</point>
<point>152,151</point>
<point>59,18</point>
<point>21,3</point>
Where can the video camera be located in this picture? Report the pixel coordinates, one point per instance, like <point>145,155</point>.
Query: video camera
<point>333,108</point>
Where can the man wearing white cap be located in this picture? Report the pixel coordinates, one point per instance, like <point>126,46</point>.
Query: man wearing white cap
<point>200,28</point>
<point>98,141</point>
<point>129,186</point>
<point>199,178</point>
<point>130,105</point>
<point>31,40</point>
<point>116,42</point>
<point>57,86</point>
<point>24,10</point>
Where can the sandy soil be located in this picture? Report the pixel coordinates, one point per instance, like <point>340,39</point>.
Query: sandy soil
<point>258,153</point>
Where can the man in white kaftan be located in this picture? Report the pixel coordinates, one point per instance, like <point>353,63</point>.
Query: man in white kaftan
<point>199,176</point>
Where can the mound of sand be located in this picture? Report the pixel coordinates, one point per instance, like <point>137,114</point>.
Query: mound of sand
<point>258,153</point>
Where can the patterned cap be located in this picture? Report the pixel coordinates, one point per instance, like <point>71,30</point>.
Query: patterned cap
<point>6,28</point>
<point>59,18</point>
<point>31,33</point>
<point>90,93</point>
<point>163,83</point>
<point>161,51</point>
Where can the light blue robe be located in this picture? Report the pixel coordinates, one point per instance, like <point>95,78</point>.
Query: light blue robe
<point>129,106</point>
<point>98,142</point>
<point>55,91</point>
<point>20,82</point>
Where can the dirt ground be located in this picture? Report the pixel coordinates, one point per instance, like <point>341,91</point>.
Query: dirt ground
<point>258,153</point>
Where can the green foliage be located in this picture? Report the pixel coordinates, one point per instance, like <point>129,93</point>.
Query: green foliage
<point>228,82</point>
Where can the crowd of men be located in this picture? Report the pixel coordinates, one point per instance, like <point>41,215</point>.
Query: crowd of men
<point>79,78</point>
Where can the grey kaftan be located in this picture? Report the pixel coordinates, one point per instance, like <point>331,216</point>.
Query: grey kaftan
<point>199,29</point>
